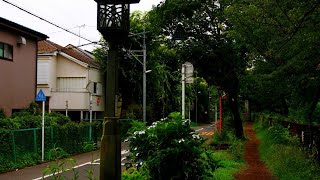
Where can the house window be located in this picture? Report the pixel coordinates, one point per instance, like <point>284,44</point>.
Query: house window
<point>43,72</point>
<point>6,51</point>
<point>71,84</point>
<point>95,90</point>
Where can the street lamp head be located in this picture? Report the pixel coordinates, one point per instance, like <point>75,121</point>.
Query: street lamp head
<point>113,18</point>
<point>147,71</point>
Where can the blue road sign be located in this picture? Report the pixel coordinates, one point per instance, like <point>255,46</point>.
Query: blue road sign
<point>41,96</point>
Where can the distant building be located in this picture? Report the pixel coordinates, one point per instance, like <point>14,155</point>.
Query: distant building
<point>69,76</point>
<point>18,65</point>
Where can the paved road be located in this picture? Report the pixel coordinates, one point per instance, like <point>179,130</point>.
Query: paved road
<point>84,162</point>
<point>205,130</point>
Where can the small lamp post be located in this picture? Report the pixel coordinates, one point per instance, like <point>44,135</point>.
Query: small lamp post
<point>113,23</point>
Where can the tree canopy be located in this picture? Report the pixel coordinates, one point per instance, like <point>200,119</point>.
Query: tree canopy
<point>283,42</point>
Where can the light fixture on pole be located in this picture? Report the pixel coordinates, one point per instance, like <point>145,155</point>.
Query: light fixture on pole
<point>113,24</point>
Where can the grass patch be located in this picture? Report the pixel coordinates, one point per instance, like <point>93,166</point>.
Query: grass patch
<point>283,156</point>
<point>227,165</point>
<point>194,124</point>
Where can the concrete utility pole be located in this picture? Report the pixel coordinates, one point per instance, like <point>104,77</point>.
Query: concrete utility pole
<point>144,96</point>
<point>135,54</point>
<point>113,23</point>
<point>110,157</point>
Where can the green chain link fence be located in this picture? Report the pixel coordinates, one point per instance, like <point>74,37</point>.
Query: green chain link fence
<point>20,148</point>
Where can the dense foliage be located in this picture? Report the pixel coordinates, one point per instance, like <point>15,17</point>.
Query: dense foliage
<point>282,42</point>
<point>32,118</point>
<point>197,30</point>
<point>164,82</point>
<point>170,149</point>
<point>20,137</point>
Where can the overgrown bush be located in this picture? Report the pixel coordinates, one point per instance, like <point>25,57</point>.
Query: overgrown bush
<point>135,111</point>
<point>26,151</point>
<point>136,126</point>
<point>31,119</point>
<point>283,156</point>
<point>169,148</point>
<point>54,119</point>
<point>134,174</point>
<point>2,115</point>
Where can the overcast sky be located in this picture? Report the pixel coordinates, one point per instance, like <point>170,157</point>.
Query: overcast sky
<point>69,14</point>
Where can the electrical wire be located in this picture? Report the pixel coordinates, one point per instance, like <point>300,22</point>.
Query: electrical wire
<point>62,30</point>
<point>46,20</point>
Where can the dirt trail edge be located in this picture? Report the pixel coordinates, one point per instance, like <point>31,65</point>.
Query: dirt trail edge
<point>256,170</point>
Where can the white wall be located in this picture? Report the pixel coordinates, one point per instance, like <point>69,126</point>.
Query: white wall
<point>68,68</point>
<point>51,73</point>
<point>61,72</point>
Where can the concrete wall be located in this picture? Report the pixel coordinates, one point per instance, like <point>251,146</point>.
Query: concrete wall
<point>17,77</point>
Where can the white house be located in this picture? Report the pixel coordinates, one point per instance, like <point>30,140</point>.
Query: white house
<point>71,79</point>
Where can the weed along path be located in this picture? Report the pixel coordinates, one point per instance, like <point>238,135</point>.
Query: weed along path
<point>256,170</point>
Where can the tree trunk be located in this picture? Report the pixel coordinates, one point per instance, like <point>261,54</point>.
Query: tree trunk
<point>284,109</point>
<point>313,105</point>
<point>237,122</point>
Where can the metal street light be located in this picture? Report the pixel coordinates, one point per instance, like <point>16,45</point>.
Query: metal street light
<point>113,24</point>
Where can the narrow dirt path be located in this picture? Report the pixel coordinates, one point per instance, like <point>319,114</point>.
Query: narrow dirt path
<point>256,169</point>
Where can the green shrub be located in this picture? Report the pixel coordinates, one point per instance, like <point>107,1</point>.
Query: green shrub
<point>2,115</point>
<point>134,174</point>
<point>134,111</point>
<point>136,126</point>
<point>283,156</point>
<point>70,137</point>
<point>169,148</point>
<point>54,119</point>
<point>8,123</point>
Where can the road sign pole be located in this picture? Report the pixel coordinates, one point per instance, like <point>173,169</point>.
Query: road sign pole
<point>43,130</point>
<point>183,81</point>
<point>42,97</point>
<point>90,130</point>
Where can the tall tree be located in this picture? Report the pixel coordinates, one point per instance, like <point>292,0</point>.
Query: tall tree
<point>283,40</point>
<point>161,82</point>
<point>219,59</point>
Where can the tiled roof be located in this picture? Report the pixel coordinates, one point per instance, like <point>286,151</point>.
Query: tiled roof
<point>80,55</point>
<point>47,46</point>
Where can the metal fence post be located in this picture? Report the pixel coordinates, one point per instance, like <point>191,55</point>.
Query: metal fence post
<point>51,135</point>
<point>14,148</point>
<point>35,140</point>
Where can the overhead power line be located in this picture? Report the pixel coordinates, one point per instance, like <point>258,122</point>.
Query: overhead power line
<point>46,20</point>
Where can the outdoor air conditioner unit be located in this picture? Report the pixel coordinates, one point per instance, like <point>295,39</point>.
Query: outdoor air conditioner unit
<point>21,40</point>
